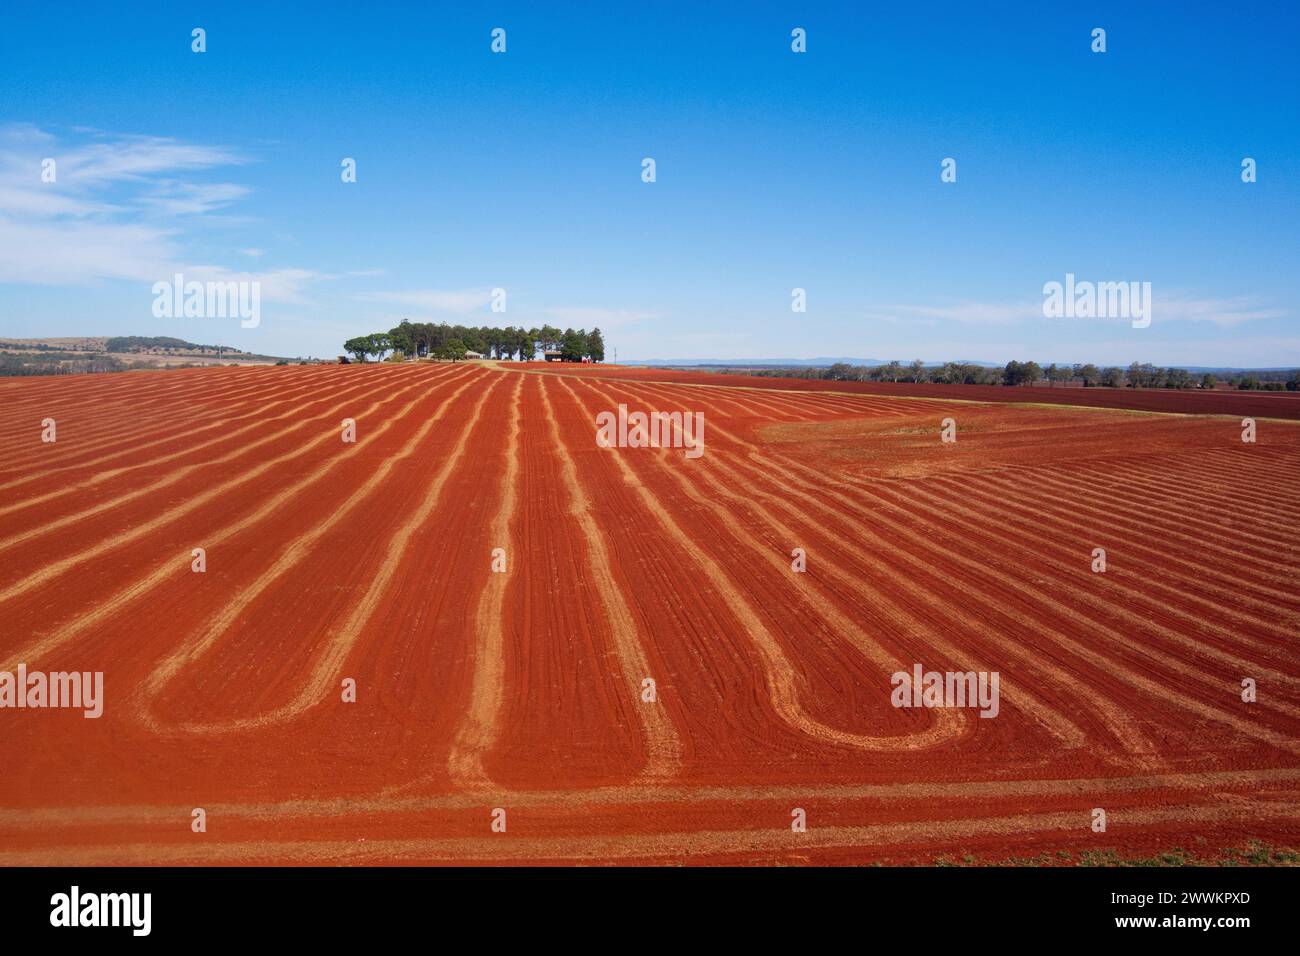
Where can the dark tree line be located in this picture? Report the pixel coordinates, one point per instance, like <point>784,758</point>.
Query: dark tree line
<point>1267,381</point>
<point>69,363</point>
<point>443,341</point>
<point>141,343</point>
<point>1137,375</point>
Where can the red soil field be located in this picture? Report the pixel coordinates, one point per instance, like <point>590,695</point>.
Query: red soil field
<point>523,689</point>
<point>1196,402</point>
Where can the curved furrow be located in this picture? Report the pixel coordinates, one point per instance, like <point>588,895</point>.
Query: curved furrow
<point>296,412</point>
<point>50,571</point>
<point>902,618</point>
<point>78,519</point>
<point>70,450</point>
<point>1118,723</point>
<point>783,682</point>
<point>339,641</point>
<point>1111,666</point>
<point>1196,581</point>
<point>1123,509</point>
<point>1256,514</point>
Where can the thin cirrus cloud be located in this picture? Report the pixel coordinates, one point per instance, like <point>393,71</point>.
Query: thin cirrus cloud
<point>970,313</point>
<point>432,301</point>
<point>275,285</point>
<point>1170,307</point>
<point>193,199</point>
<point>1224,313</point>
<point>129,158</point>
<point>121,207</point>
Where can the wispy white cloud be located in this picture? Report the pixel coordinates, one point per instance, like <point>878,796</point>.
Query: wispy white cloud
<point>59,252</point>
<point>31,202</point>
<point>137,159</point>
<point>967,312</point>
<point>187,199</point>
<point>277,285</point>
<point>119,208</point>
<point>1171,306</point>
<point>455,301</point>
<point>1224,313</point>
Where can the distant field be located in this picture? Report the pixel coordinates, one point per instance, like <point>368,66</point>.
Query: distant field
<point>523,690</point>
<point>1221,401</point>
<point>91,355</point>
<point>72,344</point>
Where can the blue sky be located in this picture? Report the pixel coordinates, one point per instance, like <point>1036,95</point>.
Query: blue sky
<point>775,170</point>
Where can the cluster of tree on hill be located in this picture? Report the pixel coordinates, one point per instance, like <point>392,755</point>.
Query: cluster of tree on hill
<point>1137,375</point>
<point>451,342</point>
<point>144,343</point>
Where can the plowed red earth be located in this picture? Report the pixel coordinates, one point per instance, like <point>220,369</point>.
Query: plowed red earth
<point>523,689</point>
<point>1191,401</point>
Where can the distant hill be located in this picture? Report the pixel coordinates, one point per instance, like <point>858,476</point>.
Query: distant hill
<point>117,343</point>
<point>74,354</point>
<point>151,343</point>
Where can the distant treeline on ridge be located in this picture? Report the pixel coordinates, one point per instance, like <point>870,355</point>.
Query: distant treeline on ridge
<point>140,343</point>
<point>1137,375</point>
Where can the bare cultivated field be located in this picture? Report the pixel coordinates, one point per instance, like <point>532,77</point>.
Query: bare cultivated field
<point>523,689</point>
<point>1221,401</point>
